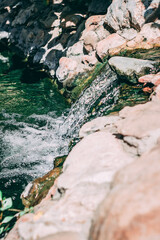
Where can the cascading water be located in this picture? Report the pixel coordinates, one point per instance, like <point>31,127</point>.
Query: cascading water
<point>36,124</point>
<point>103,88</point>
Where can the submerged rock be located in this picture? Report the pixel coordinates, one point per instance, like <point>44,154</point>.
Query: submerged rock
<point>39,188</point>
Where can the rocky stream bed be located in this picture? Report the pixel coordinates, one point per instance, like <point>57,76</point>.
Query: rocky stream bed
<point>80,118</point>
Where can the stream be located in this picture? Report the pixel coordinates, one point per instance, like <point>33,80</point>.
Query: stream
<point>37,124</point>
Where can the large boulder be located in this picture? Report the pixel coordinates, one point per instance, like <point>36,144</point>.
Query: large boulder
<point>94,32</point>
<point>90,167</point>
<point>132,68</point>
<point>132,209</point>
<point>140,126</point>
<point>113,41</point>
<point>148,37</point>
<point>127,13</point>
<point>67,70</point>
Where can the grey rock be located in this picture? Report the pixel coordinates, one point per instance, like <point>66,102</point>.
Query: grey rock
<point>98,124</point>
<point>128,34</point>
<point>131,68</point>
<point>52,59</point>
<point>125,14</point>
<point>4,35</point>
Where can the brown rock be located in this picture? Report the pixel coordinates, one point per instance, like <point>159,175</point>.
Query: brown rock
<point>112,43</point>
<point>39,188</point>
<point>147,89</point>
<point>132,209</point>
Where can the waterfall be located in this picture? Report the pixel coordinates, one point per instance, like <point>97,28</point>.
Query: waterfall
<point>36,125</point>
<point>105,86</point>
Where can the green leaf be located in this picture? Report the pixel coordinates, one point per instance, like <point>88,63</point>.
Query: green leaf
<point>7,219</point>
<point>7,203</point>
<point>1,230</point>
<point>0,195</point>
<point>22,213</point>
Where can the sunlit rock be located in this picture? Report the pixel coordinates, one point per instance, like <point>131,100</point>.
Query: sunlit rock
<point>131,68</point>
<point>132,209</point>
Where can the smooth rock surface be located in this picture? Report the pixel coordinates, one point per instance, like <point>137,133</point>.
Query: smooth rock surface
<point>90,167</point>
<point>131,68</point>
<point>140,120</point>
<point>132,209</point>
<point>111,42</point>
<point>98,124</point>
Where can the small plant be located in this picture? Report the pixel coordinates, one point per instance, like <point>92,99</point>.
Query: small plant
<point>6,220</point>
<point>6,203</point>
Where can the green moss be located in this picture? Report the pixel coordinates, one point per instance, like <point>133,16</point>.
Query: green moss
<point>148,54</point>
<point>84,82</point>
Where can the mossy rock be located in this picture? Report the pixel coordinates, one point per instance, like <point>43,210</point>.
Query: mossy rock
<point>84,82</point>
<point>39,188</point>
<point>58,162</point>
<point>146,54</point>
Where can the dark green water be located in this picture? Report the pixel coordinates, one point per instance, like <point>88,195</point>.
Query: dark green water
<point>32,113</point>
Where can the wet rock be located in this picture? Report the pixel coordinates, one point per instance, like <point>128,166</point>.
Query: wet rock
<point>50,21</point>
<point>152,12</point>
<point>98,124</point>
<point>39,188</point>
<point>24,15</point>
<point>114,41</point>
<point>58,161</point>
<point>131,68</point>
<point>131,211</point>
